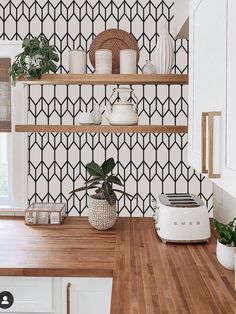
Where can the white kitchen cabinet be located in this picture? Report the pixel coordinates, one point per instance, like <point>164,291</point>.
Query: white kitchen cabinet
<point>212,110</point>
<point>206,82</point>
<point>86,295</point>
<point>228,170</point>
<point>36,295</point>
<point>31,295</point>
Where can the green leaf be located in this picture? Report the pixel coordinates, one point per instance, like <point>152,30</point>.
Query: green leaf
<point>99,191</point>
<point>124,193</point>
<point>94,170</point>
<point>109,194</point>
<point>95,179</point>
<point>114,179</point>
<point>35,48</point>
<point>227,232</point>
<point>108,166</point>
<point>85,188</point>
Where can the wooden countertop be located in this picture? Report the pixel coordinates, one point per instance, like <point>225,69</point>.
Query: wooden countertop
<point>148,276</point>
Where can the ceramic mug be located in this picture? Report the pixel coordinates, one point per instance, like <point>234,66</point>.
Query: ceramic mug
<point>128,61</point>
<point>86,118</point>
<point>78,61</point>
<point>103,61</point>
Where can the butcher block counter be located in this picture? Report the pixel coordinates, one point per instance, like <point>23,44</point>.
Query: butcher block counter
<point>148,277</point>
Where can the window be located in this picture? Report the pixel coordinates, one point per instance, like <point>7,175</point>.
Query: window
<point>4,177</point>
<point>5,95</point>
<point>13,146</point>
<point>5,126</point>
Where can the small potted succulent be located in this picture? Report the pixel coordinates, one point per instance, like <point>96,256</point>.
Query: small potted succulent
<point>36,59</point>
<point>226,243</point>
<point>102,204</point>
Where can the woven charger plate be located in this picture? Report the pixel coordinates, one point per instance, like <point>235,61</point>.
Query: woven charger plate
<point>114,40</point>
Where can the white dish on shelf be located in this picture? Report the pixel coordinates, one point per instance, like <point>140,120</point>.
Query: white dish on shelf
<point>84,123</point>
<point>86,118</point>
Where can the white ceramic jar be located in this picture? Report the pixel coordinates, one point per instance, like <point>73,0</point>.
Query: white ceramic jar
<point>103,61</point>
<point>77,61</point>
<point>86,118</point>
<point>128,61</point>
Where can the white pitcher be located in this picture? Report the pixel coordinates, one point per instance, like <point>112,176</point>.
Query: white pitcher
<point>122,112</point>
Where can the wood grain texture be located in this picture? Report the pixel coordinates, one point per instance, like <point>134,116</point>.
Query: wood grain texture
<point>107,79</point>
<point>101,128</point>
<point>70,249</point>
<point>148,277</point>
<point>5,126</point>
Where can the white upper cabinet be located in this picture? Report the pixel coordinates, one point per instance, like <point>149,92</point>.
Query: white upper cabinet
<point>212,111</point>
<point>228,177</point>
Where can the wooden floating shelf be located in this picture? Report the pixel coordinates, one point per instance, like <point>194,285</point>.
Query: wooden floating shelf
<point>101,129</point>
<point>107,79</point>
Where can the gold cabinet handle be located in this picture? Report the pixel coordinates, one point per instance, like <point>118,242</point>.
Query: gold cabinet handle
<point>68,298</point>
<point>211,116</point>
<point>209,148</point>
<point>204,128</point>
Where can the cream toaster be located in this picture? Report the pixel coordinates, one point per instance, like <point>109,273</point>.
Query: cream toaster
<point>182,218</point>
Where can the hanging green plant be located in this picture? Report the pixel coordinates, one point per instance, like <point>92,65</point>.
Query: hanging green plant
<point>36,59</point>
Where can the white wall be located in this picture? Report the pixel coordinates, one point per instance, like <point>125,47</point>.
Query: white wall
<point>224,205</point>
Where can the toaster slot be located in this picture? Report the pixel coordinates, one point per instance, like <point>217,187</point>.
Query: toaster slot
<point>178,195</point>
<point>180,200</point>
<point>184,203</point>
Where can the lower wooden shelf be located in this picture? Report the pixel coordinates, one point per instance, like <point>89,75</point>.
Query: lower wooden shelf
<point>29,128</point>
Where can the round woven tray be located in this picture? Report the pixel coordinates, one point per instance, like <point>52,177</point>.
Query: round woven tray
<point>114,40</point>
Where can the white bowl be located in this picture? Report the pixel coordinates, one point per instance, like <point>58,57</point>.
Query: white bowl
<point>86,118</point>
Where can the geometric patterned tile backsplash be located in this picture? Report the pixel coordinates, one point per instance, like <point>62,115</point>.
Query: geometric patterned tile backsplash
<point>150,164</point>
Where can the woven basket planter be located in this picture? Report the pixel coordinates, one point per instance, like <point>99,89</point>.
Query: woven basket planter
<point>102,215</point>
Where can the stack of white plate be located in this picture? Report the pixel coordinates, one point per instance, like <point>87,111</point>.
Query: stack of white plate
<point>103,61</point>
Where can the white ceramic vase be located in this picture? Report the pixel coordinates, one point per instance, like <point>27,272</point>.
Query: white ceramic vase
<point>225,255</point>
<point>97,114</point>
<point>164,52</point>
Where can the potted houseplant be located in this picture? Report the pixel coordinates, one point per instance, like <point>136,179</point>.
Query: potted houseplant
<point>37,58</point>
<point>226,243</point>
<point>102,204</point>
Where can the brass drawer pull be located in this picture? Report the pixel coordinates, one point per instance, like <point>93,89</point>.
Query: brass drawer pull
<point>210,146</point>
<point>68,298</point>
<point>211,116</point>
<point>204,128</point>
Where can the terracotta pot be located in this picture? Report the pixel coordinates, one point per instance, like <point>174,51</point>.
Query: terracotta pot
<point>102,215</point>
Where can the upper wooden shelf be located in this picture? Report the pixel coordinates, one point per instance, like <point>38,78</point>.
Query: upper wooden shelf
<point>107,79</point>
<point>101,128</point>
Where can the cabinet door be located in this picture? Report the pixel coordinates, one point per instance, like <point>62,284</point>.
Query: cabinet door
<point>86,295</point>
<point>207,78</point>
<point>29,295</point>
<point>229,115</point>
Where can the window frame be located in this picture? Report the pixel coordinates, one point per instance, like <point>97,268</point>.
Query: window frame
<point>5,200</point>
<point>17,142</point>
